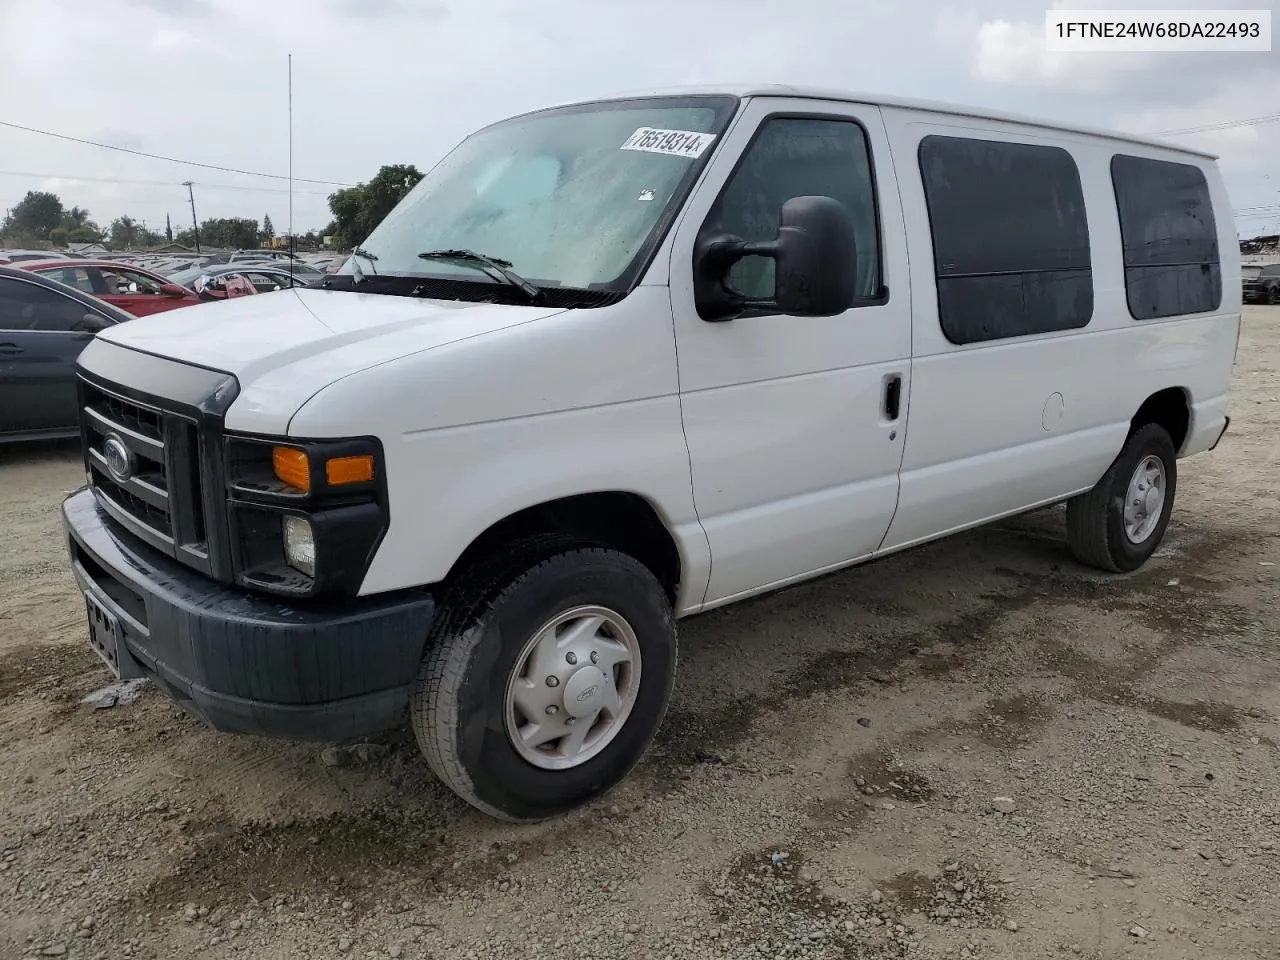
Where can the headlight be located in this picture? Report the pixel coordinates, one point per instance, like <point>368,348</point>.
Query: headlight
<point>305,516</point>
<point>300,545</point>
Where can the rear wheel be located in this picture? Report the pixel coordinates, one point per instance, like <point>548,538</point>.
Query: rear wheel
<point>1119,524</point>
<point>1273,295</point>
<point>544,682</point>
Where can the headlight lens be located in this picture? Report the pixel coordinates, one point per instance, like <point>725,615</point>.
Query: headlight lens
<point>300,545</point>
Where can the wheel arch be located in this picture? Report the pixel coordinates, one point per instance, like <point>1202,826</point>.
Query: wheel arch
<point>1171,409</point>
<point>620,519</point>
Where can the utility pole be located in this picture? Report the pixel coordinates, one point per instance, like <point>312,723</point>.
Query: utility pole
<point>195,227</point>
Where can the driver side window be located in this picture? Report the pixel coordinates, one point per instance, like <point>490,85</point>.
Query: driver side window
<point>797,157</point>
<point>128,282</point>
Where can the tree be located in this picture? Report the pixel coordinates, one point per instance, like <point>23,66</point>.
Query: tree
<point>34,216</point>
<point>268,228</point>
<point>124,233</point>
<point>237,232</point>
<point>168,229</point>
<point>65,234</point>
<point>76,217</point>
<point>358,210</point>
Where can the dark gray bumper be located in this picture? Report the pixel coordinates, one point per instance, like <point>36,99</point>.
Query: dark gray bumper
<point>243,663</point>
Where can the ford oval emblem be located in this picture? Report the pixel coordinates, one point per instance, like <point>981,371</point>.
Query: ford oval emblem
<point>588,693</point>
<point>119,459</point>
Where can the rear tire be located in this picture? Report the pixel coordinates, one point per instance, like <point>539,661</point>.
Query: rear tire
<point>1273,296</point>
<point>1106,528</point>
<point>485,686</point>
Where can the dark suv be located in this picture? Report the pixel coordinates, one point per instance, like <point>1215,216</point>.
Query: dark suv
<point>1261,284</point>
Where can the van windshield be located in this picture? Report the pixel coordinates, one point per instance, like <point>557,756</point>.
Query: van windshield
<point>574,197</point>
<point>1251,273</point>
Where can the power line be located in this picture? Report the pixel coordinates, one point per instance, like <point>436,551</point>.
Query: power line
<point>1223,125</point>
<point>158,183</point>
<point>155,156</point>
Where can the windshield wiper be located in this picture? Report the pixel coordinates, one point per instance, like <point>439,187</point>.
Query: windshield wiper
<point>491,265</point>
<point>356,273</point>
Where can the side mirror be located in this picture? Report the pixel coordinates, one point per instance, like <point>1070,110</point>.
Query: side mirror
<point>175,290</point>
<point>92,323</point>
<point>815,264</point>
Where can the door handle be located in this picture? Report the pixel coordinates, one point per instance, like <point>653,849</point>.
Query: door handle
<point>892,397</point>
<point>10,350</point>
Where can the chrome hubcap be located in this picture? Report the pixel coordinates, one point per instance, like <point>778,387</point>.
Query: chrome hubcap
<point>1144,501</point>
<point>573,687</point>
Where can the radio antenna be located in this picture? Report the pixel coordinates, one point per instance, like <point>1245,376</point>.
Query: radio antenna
<point>292,251</point>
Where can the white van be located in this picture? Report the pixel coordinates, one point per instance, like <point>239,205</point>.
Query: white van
<point>615,363</point>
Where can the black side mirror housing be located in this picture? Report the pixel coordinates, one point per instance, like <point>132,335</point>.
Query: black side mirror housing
<point>92,323</point>
<point>815,257</point>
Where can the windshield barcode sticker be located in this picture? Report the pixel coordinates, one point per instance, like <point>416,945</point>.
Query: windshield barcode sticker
<point>676,143</point>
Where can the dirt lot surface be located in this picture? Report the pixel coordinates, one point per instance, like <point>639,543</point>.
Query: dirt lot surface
<point>978,749</point>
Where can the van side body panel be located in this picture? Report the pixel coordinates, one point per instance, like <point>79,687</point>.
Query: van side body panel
<point>1003,425</point>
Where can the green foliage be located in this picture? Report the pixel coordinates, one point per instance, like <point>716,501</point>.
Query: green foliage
<point>126,233</point>
<point>31,219</point>
<point>36,213</point>
<point>39,220</point>
<point>358,210</point>
<point>237,232</point>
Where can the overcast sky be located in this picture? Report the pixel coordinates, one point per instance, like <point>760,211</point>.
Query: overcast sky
<point>401,81</point>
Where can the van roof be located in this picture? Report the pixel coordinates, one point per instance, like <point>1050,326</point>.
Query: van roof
<point>904,103</point>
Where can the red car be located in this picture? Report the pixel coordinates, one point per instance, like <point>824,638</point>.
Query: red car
<point>132,289</point>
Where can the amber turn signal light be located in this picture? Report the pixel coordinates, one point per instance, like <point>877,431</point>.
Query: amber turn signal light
<point>339,471</point>
<point>292,467</point>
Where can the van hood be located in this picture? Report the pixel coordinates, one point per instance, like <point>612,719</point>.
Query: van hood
<point>284,347</point>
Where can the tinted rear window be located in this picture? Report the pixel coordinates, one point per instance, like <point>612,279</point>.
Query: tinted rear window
<point>1010,238</point>
<point>1170,237</point>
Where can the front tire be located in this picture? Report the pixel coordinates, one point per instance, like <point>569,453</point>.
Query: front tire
<point>1119,524</point>
<point>542,685</point>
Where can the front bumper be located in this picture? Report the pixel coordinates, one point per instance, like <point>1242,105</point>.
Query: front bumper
<point>243,663</point>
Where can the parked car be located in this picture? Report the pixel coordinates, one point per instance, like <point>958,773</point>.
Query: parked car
<point>618,363</point>
<point>263,253</point>
<point>44,325</point>
<point>1261,284</point>
<point>132,289</point>
<point>265,277</point>
<point>223,286</point>
<point>19,256</point>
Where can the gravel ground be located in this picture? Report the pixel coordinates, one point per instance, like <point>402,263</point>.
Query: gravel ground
<point>977,749</point>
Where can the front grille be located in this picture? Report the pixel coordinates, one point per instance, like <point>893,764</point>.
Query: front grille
<point>143,466</point>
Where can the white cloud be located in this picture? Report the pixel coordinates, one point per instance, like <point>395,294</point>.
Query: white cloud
<point>1014,53</point>
<point>401,81</point>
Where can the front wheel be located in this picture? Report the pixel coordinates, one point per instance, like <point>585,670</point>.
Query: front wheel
<point>1119,524</point>
<point>542,686</point>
